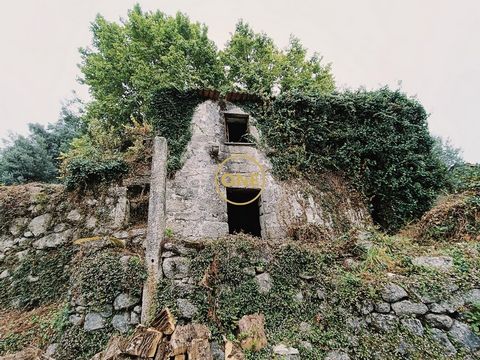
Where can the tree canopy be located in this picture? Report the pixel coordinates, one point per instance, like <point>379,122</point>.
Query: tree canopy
<point>131,61</point>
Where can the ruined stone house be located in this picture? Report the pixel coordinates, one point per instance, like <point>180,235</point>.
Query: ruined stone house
<point>198,205</point>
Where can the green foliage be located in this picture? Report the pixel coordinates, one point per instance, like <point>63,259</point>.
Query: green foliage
<point>36,157</point>
<point>465,177</point>
<point>254,64</point>
<point>26,160</point>
<point>446,152</point>
<point>84,172</point>
<point>94,157</point>
<point>170,115</point>
<point>473,317</point>
<point>77,344</point>
<point>102,276</point>
<point>146,52</point>
<point>378,139</point>
<point>49,270</point>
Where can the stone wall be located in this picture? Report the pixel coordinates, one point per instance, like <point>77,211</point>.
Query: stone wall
<point>195,210</point>
<point>46,222</point>
<point>396,310</point>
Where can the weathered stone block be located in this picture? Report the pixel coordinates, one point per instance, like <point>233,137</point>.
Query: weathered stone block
<point>407,307</point>
<point>39,225</point>
<point>264,282</point>
<point>125,301</point>
<point>443,322</point>
<point>176,267</point>
<point>94,321</point>
<point>52,240</point>
<point>393,293</point>
<point>462,335</point>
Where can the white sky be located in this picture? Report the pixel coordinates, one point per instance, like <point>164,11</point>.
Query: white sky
<point>431,46</point>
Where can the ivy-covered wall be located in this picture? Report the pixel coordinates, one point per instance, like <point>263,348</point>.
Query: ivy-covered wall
<point>379,140</point>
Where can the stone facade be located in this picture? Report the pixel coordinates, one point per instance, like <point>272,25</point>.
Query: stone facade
<point>194,208</point>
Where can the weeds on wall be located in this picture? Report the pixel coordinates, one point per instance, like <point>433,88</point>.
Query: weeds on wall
<point>39,278</point>
<point>313,297</point>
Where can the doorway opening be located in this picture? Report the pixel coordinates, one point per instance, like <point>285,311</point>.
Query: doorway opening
<point>244,218</point>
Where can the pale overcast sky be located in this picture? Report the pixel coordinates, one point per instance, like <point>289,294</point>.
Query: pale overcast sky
<point>432,47</point>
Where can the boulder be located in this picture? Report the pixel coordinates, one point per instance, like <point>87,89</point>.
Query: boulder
<point>443,322</point>
<point>442,263</point>
<point>393,293</point>
<point>17,226</point>
<point>407,307</point>
<point>286,353</point>
<point>382,307</point>
<point>121,322</point>
<point>6,243</point>
<point>75,319</point>
<point>52,240</point>
<point>186,309</point>
<point>125,301</point>
<point>252,332</point>
<point>94,321</point>
<point>4,274</point>
<point>176,267</point>
<point>472,296</point>
<point>337,355</point>
<point>414,326</point>
<point>437,308</point>
<point>441,338</point>
<point>383,322</point>
<point>39,225</point>
<point>462,335</point>
<point>74,215</point>
<point>453,304</point>
<point>264,282</point>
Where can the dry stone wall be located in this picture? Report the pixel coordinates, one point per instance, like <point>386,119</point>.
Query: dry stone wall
<point>46,233</point>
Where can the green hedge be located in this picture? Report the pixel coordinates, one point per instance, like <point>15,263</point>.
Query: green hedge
<point>378,139</point>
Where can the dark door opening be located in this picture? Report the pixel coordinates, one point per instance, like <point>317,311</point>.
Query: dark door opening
<point>243,218</point>
<point>237,128</point>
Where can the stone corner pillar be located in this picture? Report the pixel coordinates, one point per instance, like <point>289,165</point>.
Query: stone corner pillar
<point>155,228</point>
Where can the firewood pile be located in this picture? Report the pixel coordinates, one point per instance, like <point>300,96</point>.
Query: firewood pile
<point>162,340</point>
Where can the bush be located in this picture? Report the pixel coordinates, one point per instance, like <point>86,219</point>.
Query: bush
<point>455,219</point>
<point>84,172</point>
<point>465,177</point>
<point>378,139</point>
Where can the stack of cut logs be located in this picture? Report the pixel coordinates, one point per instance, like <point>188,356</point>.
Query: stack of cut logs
<point>164,340</point>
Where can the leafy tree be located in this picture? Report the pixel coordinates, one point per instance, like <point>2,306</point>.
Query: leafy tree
<point>146,52</point>
<point>254,64</point>
<point>446,152</point>
<point>251,61</point>
<point>26,160</point>
<point>36,157</point>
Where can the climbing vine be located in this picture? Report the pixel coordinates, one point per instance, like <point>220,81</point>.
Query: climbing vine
<point>378,139</point>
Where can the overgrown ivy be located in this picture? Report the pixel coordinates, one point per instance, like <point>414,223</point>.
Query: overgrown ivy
<point>378,139</point>
<point>39,278</point>
<point>170,113</point>
<point>99,278</point>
